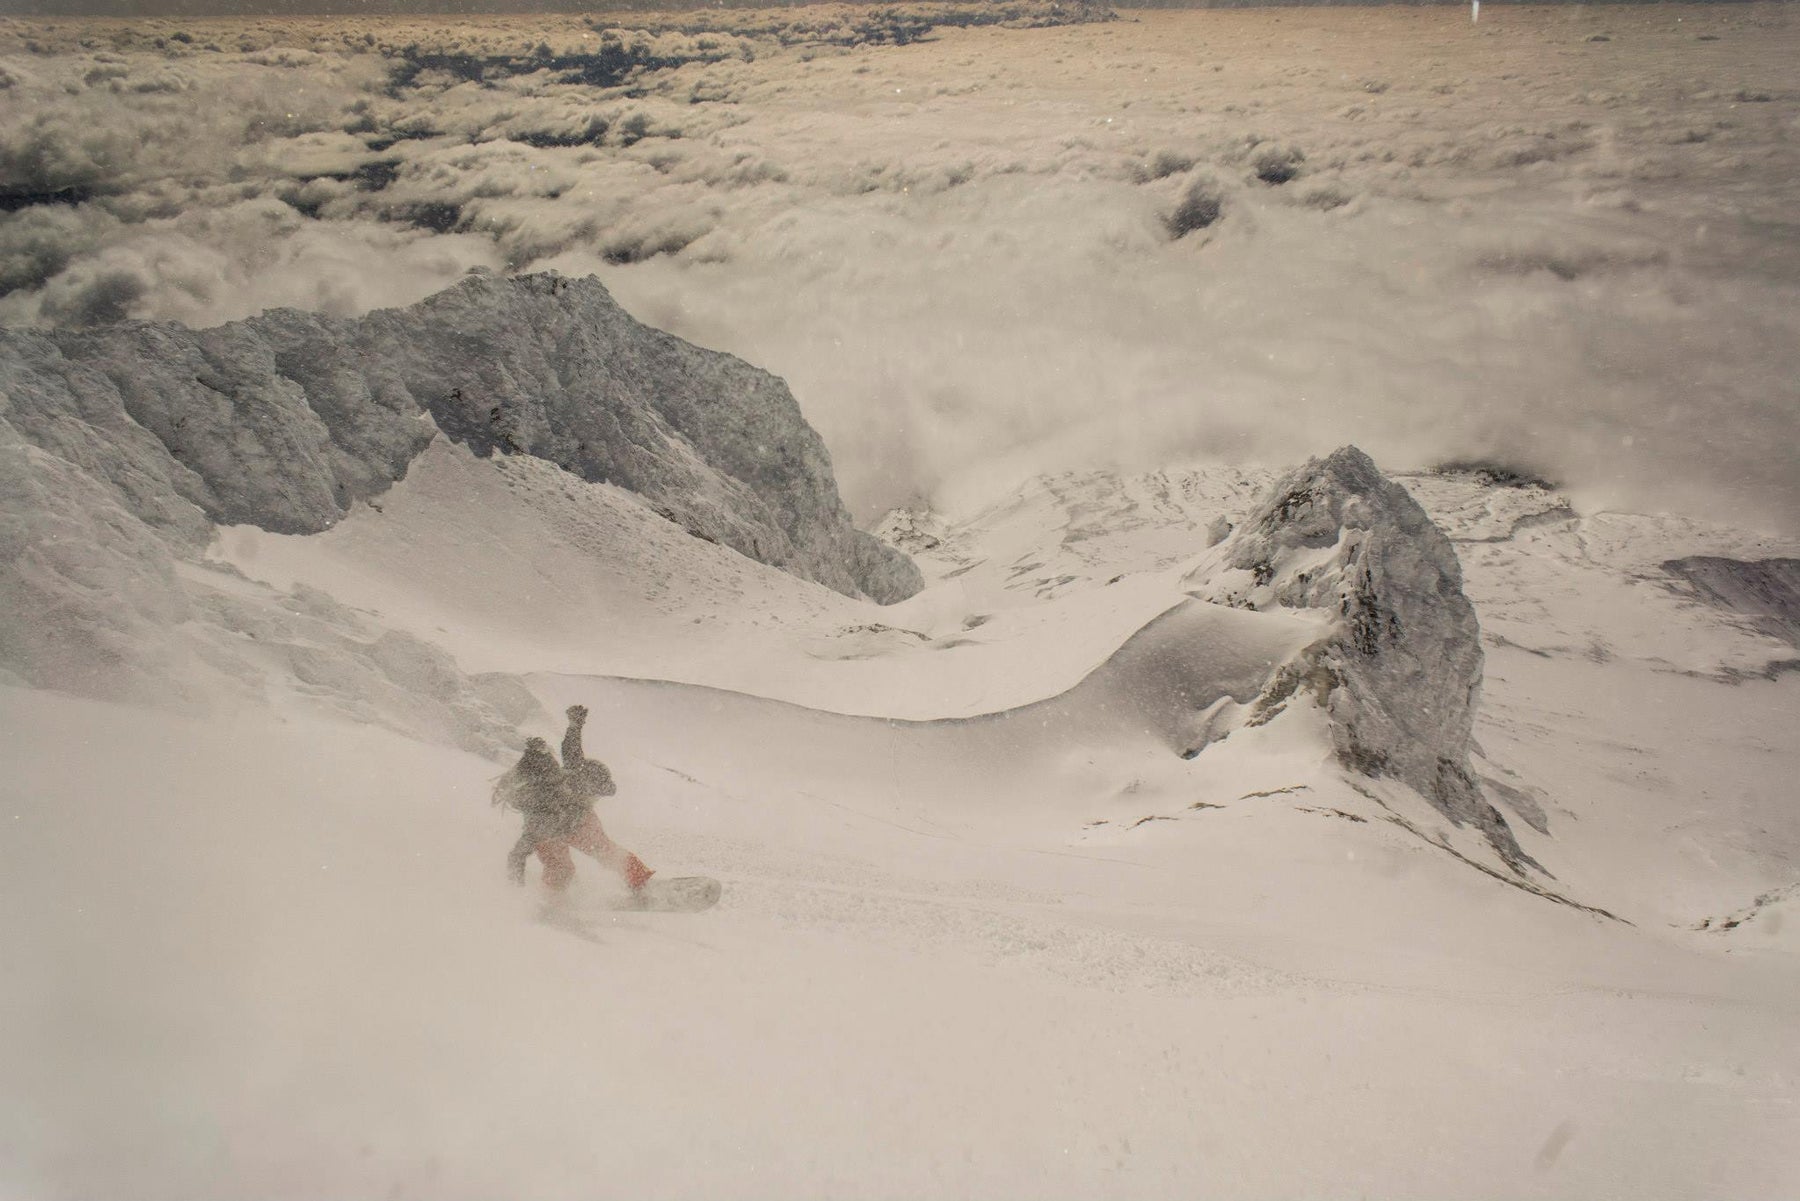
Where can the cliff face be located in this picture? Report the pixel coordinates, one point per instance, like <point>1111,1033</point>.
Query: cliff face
<point>121,447</point>
<point>1400,673</point>
<point>284,420</point>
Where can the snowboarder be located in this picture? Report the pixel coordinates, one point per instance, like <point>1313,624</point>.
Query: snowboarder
<point>558,803</point>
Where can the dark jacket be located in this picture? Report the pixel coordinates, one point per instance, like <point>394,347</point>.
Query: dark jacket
<point>589,778</point>
<point>538,785</point>
<point>553,797</point>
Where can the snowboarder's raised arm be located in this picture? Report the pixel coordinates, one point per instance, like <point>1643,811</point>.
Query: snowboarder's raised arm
<point>588,777</point>
<point>571,744</point>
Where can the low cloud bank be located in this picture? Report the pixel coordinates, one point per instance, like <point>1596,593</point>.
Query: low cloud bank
<point>1000,252</point>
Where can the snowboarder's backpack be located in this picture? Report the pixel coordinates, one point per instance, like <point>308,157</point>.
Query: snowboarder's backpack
<point>528,791</point>
<point>512,792</point>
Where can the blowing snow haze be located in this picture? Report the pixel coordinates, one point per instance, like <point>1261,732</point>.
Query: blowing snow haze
<point>1202,604</point>
<point>1559,240</point>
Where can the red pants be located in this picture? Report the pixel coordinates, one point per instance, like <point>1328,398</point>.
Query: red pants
<point>589,838</point>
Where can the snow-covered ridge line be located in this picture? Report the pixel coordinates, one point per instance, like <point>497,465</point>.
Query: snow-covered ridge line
<point>1161,683</point>
<point>285,420</point>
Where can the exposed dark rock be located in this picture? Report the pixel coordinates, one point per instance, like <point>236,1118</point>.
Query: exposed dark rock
<point>283,421</point>
<point>16,197</point>
<point>1766,592</point>
<point>1200,206</point>
<point>1275,165</point>
<point>1401,671</point>
<point>1497,473</point>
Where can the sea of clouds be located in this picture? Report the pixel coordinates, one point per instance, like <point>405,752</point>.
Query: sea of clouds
<point>1560,242</point>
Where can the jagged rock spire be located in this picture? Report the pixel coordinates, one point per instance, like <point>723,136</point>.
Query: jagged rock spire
<point>1400,673</point>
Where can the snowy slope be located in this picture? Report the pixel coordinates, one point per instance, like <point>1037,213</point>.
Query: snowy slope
<point>987,930</point>
<point>1612,701</point>
<point>302,974</point>
<point>1652,731</point>
<point>519,566</point>
<point>983,933</point>
<point>284,420</point>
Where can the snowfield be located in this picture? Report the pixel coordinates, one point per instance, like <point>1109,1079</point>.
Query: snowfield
<point>271,952</point>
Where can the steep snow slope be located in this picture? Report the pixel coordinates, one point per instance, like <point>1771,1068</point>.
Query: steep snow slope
<point>582,579</point>
<point>1649,733</point>
<point>96,603</point>
<point>578,580</point>
<point>1013,949</point>
<point>518,566</point>
<point>253,958</point>
<point>121,447</point>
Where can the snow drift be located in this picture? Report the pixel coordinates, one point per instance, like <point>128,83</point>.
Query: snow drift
<point>100,606</point>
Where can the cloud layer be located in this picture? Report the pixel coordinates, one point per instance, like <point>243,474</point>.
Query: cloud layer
<point>1203,235</point>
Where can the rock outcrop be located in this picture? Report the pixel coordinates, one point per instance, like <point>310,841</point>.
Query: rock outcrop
<point>1400,672</point>
<point>284,420</point>
<point>1765,593</point>
<point>120,448</point>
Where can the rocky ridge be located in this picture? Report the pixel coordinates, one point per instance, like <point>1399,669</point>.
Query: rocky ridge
<point>122,448</point>
<point>1400,672</point>
<point>285,420</point>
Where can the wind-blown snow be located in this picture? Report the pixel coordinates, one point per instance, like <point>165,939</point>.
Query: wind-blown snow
<point>255,957</point>
<point>1042,882</point>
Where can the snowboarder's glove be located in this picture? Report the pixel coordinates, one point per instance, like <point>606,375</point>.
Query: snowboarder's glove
<point>577,713</point>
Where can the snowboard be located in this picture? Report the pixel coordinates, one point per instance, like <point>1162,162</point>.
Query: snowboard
<point>678,894</point>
